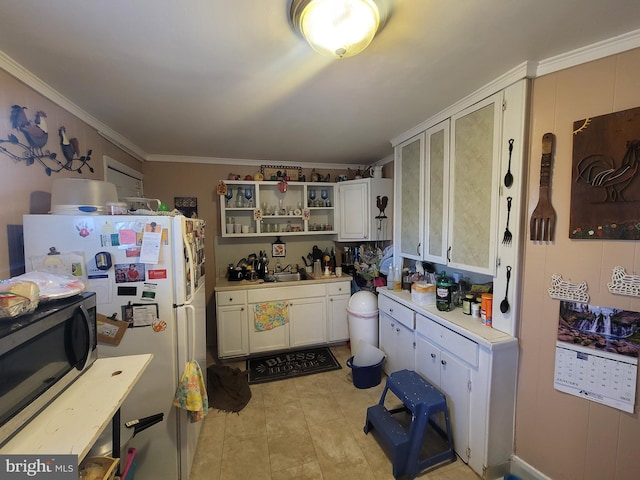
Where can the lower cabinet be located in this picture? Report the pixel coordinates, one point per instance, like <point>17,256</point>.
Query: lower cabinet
<point>317,314</point>
<point>306,308</point>
<point>338,295</point>
<point>396,335</point>
<point>276,338</point>
<point>452,377</point>
<point>307,321</point>
<point>233,335</point>
<point>473,365</point>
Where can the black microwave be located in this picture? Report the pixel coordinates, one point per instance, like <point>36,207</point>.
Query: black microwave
<point>41,354</point>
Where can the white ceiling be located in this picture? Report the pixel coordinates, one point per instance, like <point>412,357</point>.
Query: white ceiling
<point>231,79</point>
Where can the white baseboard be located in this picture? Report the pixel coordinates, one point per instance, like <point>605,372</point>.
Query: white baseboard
<point>525,471</point>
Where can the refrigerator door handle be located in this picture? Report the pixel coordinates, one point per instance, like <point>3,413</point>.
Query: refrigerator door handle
<point>192,345</point>
<point>192,263</point>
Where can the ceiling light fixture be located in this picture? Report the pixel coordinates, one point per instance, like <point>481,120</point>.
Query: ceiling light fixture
<point>337,28</point>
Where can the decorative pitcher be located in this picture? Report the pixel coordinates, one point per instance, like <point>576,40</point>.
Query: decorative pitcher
<point>375,171</point>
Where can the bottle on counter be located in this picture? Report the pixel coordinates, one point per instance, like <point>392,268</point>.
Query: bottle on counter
<point>391,276</point>
<point>443,293</point>
<point>397,279</point>
<point>466,304</point>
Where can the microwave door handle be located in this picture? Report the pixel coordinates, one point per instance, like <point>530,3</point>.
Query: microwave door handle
<point>91,334</point>
<point>83,356</point>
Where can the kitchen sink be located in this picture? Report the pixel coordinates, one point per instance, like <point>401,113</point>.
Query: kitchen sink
<point>287,277</point>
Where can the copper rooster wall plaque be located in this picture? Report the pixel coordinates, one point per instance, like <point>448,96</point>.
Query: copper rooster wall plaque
<point>605,191</point>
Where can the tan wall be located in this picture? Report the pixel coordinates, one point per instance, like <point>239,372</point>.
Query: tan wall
<point>561,435</point>
<point>26,188</point>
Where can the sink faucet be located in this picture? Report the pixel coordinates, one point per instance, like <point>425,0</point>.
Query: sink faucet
<point>287,269</point>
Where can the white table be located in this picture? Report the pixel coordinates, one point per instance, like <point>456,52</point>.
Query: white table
<point>72,423</point>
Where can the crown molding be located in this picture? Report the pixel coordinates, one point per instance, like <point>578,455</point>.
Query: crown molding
<point>256,163</point>
<point>524,70</point>
<point>595,51</point>
<point>25,76</point>
<point>529,69</point>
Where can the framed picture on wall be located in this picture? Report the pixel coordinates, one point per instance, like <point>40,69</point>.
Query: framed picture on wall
<point>605,187</point>
<point>278,248</point>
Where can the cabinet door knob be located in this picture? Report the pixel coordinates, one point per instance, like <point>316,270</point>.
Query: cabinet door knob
<point>393,325</point>
<point>449,254</point>
<point>331,299</point>
<point>231,299</point>
<point>242,309</point>
<point>443,362</point>
<point>397,330</point>
<point>391,310</point>
<point>433,355</point>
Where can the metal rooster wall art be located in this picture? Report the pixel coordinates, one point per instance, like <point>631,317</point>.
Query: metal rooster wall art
<point>36,134</point>
<point>600,171</point>
<point>381,203</point>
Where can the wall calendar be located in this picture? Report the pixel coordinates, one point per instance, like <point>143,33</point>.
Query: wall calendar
<point>597,354</point>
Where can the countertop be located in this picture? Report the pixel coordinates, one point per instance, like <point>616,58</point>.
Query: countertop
<point>72,423</point>
<point>454,320</point>
<point>224,285</point>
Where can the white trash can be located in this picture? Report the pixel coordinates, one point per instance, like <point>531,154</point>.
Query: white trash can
<point>362,313</point>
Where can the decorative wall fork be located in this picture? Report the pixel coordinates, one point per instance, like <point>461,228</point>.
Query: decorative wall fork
<point>508,236</point>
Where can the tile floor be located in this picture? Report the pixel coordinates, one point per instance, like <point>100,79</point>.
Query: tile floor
<point>305,428</point>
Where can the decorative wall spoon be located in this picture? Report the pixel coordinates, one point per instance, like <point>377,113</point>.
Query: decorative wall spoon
<point>504,304</point>
<point>508,178</point>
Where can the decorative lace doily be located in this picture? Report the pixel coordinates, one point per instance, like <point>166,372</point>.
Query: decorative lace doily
<point>563,290</point>
<point>624,284</point>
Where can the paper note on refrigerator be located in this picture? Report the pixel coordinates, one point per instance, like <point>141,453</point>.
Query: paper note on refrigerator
<point>150,252</point>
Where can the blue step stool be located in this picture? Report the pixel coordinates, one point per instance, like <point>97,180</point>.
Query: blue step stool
<point>422,401</point>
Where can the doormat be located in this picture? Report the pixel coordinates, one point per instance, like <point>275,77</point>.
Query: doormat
<point>291,364</point>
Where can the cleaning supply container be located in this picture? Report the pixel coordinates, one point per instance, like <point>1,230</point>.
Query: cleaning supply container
<point>366,377</point>
<point>362,313</point>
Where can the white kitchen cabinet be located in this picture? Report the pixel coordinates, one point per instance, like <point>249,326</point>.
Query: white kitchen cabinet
<point>451,376</point>
<point>475,367</point>
<point>268,340</point>
<point>448,181</point>
<point>436,204</point>
<point>360,219</point>
<point>473,186</point>
<point>306,306</point>
<point>307,321</point>
<point>396,333</point>
<point>305,208</point>
<point>338,295</point>
<point>409,197</point>
<point>231,316</point>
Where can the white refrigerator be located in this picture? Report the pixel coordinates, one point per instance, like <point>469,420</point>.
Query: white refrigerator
<point>148,271</point>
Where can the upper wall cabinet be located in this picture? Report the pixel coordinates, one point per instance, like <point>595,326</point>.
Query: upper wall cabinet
<point>436,205</point>
<point>448,184</point>
<point>473,194</point>
<point>365,210</point>
<point>409,195</point>
<point>266,208</point>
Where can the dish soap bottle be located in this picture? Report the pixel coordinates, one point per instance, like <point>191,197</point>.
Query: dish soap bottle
<point>391,277</point>
<point>443,293</point>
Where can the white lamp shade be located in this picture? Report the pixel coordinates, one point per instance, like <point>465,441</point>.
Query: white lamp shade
<point>339,28</point>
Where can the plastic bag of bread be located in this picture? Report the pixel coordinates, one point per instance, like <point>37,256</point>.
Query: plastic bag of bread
<point>18,297</point>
